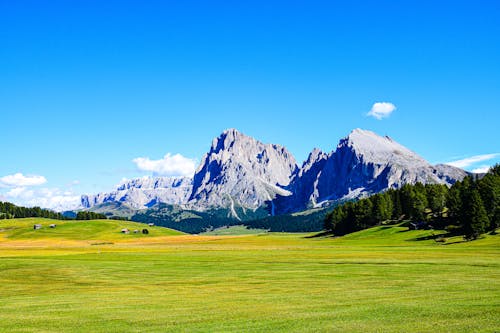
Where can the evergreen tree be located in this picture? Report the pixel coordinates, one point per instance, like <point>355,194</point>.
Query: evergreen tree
<point>335,217</point>
<point>382,207</point>
<point>406,196</point>
<point>418,202</point>
<point>475,217</point>
<point>436,198</point>
<point>454,202</point>
<point>489,189</point>
<point>397,210</point>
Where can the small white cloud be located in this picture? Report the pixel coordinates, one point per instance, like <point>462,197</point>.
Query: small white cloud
<point>58,202</point>
<point>20,193</point>
<point>482,169</point>
<point>169,165</point>
<point>20,180</point>
<point>51,198</point>
<point>467,162</point>
<point>381,110</point>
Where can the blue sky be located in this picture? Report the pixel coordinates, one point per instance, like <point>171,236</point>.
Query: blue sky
<point>86,87</point>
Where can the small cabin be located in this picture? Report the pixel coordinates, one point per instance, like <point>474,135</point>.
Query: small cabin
<point>125,231</point>
<point>151,224</point>
<point>37,226</point>
<point>145,231</point>
<point>52,226</point>
<point>136,231</point>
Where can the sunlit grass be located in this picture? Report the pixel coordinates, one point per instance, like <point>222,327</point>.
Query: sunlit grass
<point>377,280</point>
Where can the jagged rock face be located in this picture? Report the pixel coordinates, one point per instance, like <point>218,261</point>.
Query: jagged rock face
<point>364,163</point>
<point>144,192</point>
<point>367,163</point>
<point>239,170</point>
<point>240,173</point>
<point>303,184</point>
<point>450,174</point>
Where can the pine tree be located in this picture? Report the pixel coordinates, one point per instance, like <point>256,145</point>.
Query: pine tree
<point>475,217</point>
<point>397,210</point>
<point>489,189</point>
<point>418,202</point>
<point>436,198</point>
<point>382,207</point>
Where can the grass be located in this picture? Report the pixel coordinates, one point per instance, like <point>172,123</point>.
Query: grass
<point>234,230</point>
<point>22,229</point>
<point>377,280</point>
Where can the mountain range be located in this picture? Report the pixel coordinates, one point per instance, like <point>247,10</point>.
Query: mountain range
<point>247,178</point>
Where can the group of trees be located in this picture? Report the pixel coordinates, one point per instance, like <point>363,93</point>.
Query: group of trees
<point>84,215</point>
<point>472,206</point>
<point>10,211</point>
<point>307,222</point>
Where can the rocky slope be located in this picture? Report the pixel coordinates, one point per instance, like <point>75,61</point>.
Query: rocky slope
<point>145,192</point>
<point>247,178</point>
<point>362,164</point>
<point>241,171</point>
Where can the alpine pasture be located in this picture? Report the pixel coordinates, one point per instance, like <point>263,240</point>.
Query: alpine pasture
<point>88,276</point>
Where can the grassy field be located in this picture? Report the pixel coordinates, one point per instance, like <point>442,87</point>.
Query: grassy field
<point>234,230</point>
<point>85,277</point>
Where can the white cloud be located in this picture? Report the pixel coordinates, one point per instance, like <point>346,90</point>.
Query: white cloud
<point>381,110</point>
<point>467,162</point>
<point>51,198</point>
<point>482,169</point>
<point>20,180</point>
<point>169,165</point>
<point>20,192</point>
<point>58,202</point>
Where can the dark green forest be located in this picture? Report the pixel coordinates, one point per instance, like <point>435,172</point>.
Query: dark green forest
<point>470,207</point>
<point>11,211</point>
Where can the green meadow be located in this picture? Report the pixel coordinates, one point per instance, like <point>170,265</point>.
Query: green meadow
<point>87,276</point>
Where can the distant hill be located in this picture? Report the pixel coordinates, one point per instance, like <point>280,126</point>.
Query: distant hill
<point>98,230</point>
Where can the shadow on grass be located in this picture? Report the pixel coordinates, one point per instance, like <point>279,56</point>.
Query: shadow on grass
<point>321,234</point>
<point>440,238</point>
<point>429,237</point>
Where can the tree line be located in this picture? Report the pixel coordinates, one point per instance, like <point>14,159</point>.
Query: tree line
<point>470,207</point>
<point>11,211</point>
<point>84,215</point>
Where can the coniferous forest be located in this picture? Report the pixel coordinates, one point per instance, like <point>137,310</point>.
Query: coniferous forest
<point>10,211</point>
<point>470,207</point>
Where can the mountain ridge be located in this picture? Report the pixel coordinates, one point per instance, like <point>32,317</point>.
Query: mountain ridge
<point>241,174</point>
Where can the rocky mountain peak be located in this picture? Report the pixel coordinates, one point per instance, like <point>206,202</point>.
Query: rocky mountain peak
<point>363,163</point>
<point>241,174</point>
<point>373,148</point>
<point>239,170</point>
<point>227,139</point>
<point>314,157</point>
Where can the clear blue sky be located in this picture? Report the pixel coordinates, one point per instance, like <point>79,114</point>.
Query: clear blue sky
<point>88,86</point>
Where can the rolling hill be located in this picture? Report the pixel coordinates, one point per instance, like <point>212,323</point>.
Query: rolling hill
<point>106,230</point>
